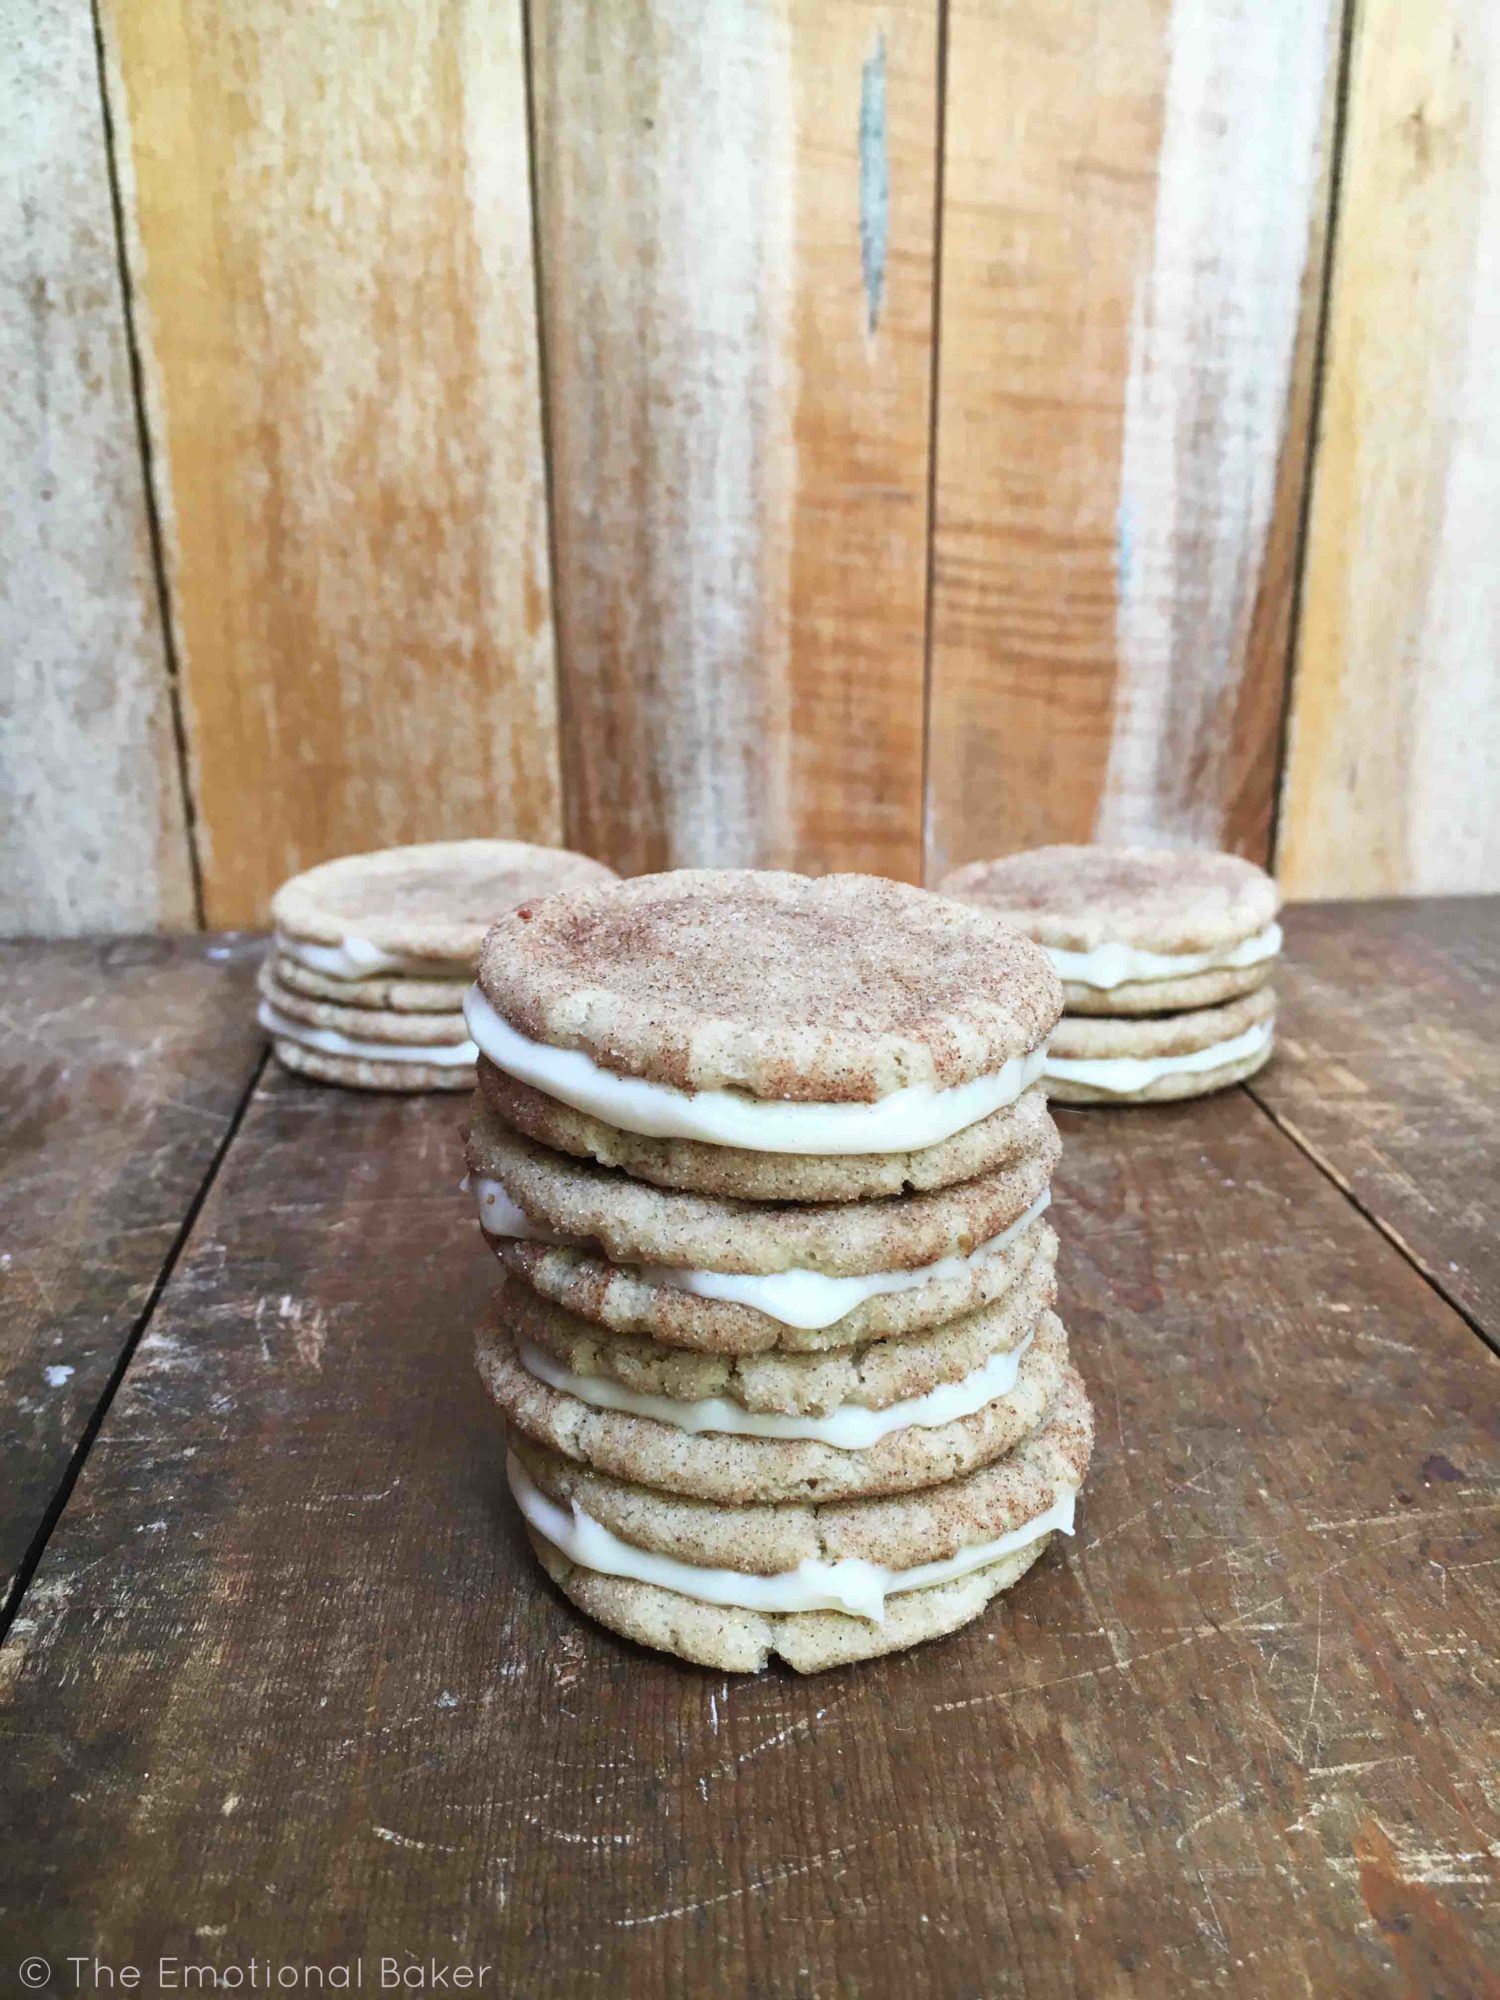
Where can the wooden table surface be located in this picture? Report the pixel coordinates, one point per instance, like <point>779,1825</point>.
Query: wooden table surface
<point>282,1681</point>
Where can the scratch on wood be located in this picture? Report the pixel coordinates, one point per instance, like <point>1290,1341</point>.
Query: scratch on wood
<point>770,1880</point>
<point>1406,1517</point>
<point>874,183</point>
<point>1359,1766</point>
<point>1216,1935</point>
<point>395,1839</point>
<point>793,1729</point>
<point>573,1839</point>
<point>1204,1819</point>
<point>1231,1627</point>
<point>1316,1684</point>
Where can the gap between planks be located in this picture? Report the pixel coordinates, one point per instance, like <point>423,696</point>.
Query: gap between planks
<point>1330,1173</point>
<point>1338,131</point>
<point>544,422</point>
<point>172,666</point>
<point>27,1567</point>
<point>935,384</point>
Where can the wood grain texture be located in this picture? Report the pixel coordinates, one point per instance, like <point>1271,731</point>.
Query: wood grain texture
<point>330,245</point>
<point>1133,224</point>
<point>1388,1073</point>
<point>121,1066</point>
<point>313,1700</point>
<point>92,822</point>
<point>736,212</point>
<point>1395,726</point>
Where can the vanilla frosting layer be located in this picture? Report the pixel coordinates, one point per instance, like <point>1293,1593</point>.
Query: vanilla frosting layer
<point>356,958</point>
<point>329,1042</point>
<point>852,1428</point>
<point>1110,965</point>
<point>1127,1073</point>
<point>800,1298</point>
<point>903,1122</point>
<point>850,1585</point>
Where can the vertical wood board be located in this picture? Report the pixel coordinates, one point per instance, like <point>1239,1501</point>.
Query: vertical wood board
<point>92,822</point>
<point>1132,248</point>
<point>735,211</point>
<point>1395,723</point>
<point>328,217</point>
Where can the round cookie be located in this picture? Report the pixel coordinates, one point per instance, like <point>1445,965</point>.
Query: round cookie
<point>1165,996</point>
<point>839,989</point>
<point>695,1167</point>
<point>898,1533</point>
<point>361,1073</point>
<point>1170,904</point>
<point>363,1023</point>
<point>872,1376</point>
<point>632,1302</point>
<point>384,993</point>
<point>426,908</point>
<point>736,1470</point>
<point>743,1642</point>
<point>1137,1045</point>
<point>636,1223</point>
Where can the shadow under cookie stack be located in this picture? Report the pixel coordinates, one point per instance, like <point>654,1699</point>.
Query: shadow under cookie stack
<point>766,1159</point>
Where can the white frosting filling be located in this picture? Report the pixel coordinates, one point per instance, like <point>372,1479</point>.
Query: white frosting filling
<point>800,1298</point>
<point>328,1041</point>
<point>849,1429</point>
<point>355,958</point>
<point>1110,965</point>
<point>905,1121</point>
<point>1127,1073</point>
<point>850,1585</point>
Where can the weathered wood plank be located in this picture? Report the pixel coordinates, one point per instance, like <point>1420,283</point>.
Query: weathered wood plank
<point>1395,727</point>
<point>330,245</point>
<point>1389,1074</point>
<point>92,824</point>
<point>1134,211</point>
<point>121,1066</point>
<point>313,1701</point>
<point>736,214</point>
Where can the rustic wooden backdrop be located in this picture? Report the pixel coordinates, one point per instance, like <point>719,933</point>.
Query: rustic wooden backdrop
<point>806,431</point>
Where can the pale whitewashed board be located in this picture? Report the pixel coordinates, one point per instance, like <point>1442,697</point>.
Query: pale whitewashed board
<point>329,231</point>
<point>1395,736</point>
<point>92,825</point>
<point>735,229</point>
<point>1133,231</point>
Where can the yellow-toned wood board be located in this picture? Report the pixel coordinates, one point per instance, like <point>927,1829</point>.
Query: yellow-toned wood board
<point>1133,228</point>
<point>329,231</point>
<point>92,822</point>
<point>1395,729</point>
<point>735,224</point>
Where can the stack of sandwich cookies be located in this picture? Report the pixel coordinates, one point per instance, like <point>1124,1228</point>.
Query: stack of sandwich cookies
<point>1165,956</point>
<point>767,1163</point>
<point>375,952</point>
